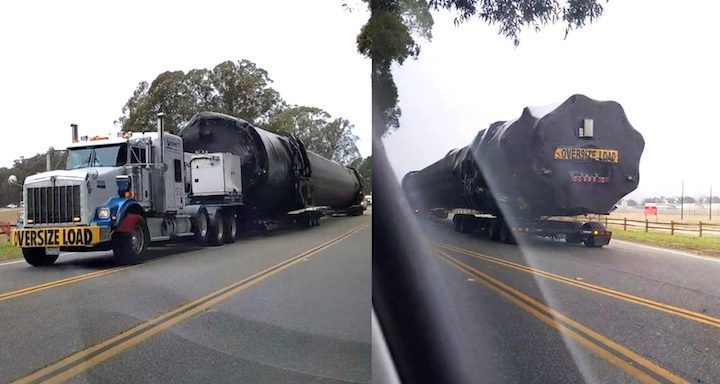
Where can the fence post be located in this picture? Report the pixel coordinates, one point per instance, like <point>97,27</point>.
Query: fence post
<point>624,223</point>
<point>672,228</point>
<point>606,221</point>
<point>646,225</point>
<point>701,229</point>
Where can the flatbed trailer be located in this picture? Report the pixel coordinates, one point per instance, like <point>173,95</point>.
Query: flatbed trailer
<point>591,234</point>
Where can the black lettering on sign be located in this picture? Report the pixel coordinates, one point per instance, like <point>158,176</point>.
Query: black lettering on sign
<point>87,236</point>
<point>33,238</point>
<point>40,241</point>
<point>70,237</point>
<point>79,236</point>
<point>56,235</point>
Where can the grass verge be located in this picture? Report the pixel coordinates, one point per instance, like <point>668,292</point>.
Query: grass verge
<point>701,245</point>
<point>7,251</point>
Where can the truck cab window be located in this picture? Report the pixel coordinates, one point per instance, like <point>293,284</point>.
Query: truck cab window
<point>138,155</point>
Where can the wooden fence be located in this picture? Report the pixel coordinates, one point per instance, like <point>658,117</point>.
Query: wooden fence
<point>673,227</point>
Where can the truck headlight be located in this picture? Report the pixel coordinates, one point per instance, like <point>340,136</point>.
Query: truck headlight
<point>103,213</point>
<point>21,215</point>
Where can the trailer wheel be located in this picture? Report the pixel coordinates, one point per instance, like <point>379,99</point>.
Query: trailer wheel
<point>506,235</point>
<point>37,257</point>
<point>128,247</point>
<point>494,230</point>
<point>217,229</point>
<point>202,227</point>
<point>590,241</point>
<point>456,223</point>
<point>230,227</point>
<point>573,239</point>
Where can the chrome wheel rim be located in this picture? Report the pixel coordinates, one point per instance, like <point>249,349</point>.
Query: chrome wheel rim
<point>137,240</point>
<point>203,225</point>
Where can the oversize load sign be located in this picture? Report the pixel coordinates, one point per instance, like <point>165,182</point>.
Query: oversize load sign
<point>585,154</point>
<point>56,237</point>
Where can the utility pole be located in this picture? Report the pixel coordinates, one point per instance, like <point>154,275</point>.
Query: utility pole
<point>710,202</point>
<point>682,199</point>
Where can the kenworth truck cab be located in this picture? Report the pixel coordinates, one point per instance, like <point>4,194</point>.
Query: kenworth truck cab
<point>121,193</point>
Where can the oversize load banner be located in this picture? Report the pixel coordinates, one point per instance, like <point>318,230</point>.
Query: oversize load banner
<point>56,237</point>
<point>587,154</point>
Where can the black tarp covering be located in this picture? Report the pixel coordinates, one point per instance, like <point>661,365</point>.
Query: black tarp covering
<point>273,165</point>
<point>333,184</point>
<point>511,167</point>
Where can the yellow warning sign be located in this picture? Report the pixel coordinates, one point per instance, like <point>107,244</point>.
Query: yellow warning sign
<point>587,154</point>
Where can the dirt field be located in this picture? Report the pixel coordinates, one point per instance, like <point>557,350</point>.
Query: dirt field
<point>9,215</point>
<point>688,217</point>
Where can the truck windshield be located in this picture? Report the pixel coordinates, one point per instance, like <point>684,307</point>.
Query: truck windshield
<point>103,156</point>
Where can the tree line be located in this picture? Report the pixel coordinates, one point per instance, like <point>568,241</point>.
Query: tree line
<point>671,200</point>
<point>240,89</point>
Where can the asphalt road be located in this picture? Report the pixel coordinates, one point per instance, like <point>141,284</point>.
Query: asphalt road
<point>545,311</point>
<point>290,306</point>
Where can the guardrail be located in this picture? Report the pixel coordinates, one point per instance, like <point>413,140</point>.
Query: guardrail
<point>698,229</point>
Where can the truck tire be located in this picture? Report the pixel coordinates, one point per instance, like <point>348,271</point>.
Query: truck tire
<point>217,229</point>
<point>202,227</point>
<point>590,241</point>
<point>456,223</point>
<point>37,257</point>
<point>573,239</point>
<point>128,247</point>
<point>230,227</point>
<point>506,235</point>
<point>467,224</point>
<point>494,230</point>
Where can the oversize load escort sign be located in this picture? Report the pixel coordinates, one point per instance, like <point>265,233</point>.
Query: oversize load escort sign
<point>592,154</point>
<point>56,237</point>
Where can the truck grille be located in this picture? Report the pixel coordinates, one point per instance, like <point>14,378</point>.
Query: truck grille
<point>47,205</point>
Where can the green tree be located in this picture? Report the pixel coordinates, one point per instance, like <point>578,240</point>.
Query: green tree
<point>22,168</point>
<point>632,203</point>
<point>328,137</point>
<point>390,34</point>
<point>364,168</point>
<point>239,89</point>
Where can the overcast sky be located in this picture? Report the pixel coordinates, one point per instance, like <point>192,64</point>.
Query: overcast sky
<point>660,62</point>
<point>78,62</point>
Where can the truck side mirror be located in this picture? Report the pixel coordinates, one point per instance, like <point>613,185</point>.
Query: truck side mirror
<point>12,180</point>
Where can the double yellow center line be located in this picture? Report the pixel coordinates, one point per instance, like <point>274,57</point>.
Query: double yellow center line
<point>636,366</point>
<point>666,308</point>
<point>78,362</point>
<point>59,283</point>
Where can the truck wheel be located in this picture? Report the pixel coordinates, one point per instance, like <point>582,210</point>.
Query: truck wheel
<point>506,235</point>
<point>37,257</point>
<point>573,239</point>
<point>230,227</point>
<point>590,241</point>
<point>456,223</point>
<point>494,230</point>
<point>467,224</point>
<point>202,227</point>
<point>128,247</point>
<point>217,229</point>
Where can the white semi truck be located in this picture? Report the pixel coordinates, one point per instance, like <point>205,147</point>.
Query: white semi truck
<point>123,193</point>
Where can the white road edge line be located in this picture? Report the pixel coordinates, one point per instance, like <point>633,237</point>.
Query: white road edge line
<point>12,262</point>
<point>22,260</point>
<point>707,258</point>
